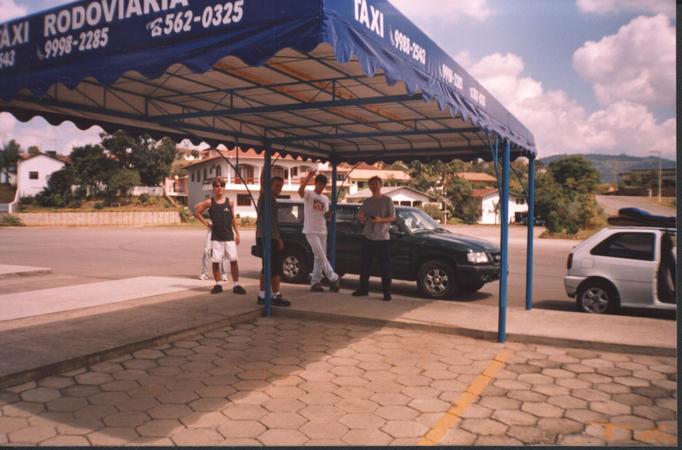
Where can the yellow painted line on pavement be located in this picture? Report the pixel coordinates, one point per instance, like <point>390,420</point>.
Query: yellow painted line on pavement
<point>450,418</point>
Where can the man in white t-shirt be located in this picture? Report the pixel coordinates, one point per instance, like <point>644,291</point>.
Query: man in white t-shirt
<point>316,207</point>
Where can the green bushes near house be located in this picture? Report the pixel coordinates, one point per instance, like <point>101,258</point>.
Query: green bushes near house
<point>11,221</point>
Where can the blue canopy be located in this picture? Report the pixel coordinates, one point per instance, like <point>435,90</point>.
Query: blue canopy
<point>297,74</point>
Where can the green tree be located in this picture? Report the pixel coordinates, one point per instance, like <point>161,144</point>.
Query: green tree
<point>565,195</point>
<point>151,159</point>
<point>465,207</point>
<point>92,167</point>
<point>62,181</point>
<point>575,172</point>
<point>34,150</point>
<point>9,157</point>
<point>122,181</point>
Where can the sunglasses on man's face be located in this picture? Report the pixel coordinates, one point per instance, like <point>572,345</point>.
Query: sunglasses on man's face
<point>215,185</point>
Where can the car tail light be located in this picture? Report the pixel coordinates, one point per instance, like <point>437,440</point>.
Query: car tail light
<point>569,262</point>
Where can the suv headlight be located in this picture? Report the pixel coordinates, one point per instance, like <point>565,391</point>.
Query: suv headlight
<point>478,257</point>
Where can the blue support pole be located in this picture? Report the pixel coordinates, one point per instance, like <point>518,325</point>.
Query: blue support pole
<point>332,228</point>
<point>504,244</point>
<point>266,190</point>
<point>531,228</point>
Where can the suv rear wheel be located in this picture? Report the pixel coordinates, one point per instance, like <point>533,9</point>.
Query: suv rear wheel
<point>436,279</point>
<point>295,268</point>
<point>597,297</point>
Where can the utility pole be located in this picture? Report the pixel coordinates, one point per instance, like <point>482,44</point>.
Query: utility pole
<point>660,173</point>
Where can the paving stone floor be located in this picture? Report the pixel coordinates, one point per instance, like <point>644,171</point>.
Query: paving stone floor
<point>291,382</point>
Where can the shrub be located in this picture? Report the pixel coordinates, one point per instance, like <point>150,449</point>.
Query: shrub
<point>247,222</point>
<point>75,204</point>
<point>11,221</point>
<point>28,200</point>
<point>99,205</point>
<point>144,198</point>
<point>184,215</point>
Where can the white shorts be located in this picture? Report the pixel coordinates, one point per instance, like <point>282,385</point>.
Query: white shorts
<point>223,250</point>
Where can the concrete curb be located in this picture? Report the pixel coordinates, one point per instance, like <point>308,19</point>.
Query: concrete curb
<point>480,334</point>
<point>94,358</point>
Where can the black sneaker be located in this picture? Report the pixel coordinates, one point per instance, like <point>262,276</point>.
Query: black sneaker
<point>280,301</point>
<point>335,285</point>
<point>238,290</point>
<point>360,293</point>
<point>387,297</point>
<point>217,289</point>
<point>317,287</point>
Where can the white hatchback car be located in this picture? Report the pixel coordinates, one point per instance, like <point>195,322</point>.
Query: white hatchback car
<point>630,266</point>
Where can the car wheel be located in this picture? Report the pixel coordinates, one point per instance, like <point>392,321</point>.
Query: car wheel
<point>436,279</point>
<point>597,297</point>
<point>295,268</point>
<point>471,288</point>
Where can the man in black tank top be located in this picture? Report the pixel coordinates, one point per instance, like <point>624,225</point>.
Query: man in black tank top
<point>224,240</point>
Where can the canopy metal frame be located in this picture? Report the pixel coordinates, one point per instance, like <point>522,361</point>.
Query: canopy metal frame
<point>303,103</point>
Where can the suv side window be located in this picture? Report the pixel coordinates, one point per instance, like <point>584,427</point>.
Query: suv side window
<point>627,245</point>
<point>290,214</point>
<point>346,214</point>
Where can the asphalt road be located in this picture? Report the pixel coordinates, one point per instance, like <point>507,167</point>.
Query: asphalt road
<point>84,255</point>
<point>612,203</point>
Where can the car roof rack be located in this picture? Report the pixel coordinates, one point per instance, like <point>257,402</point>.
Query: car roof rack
<point>635,217</point>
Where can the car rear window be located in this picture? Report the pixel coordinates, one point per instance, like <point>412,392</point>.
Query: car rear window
<point>638,246</point>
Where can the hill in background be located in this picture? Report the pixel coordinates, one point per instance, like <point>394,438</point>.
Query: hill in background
<point>609,166</point>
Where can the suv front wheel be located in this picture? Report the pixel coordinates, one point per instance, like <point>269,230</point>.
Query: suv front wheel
<point>597,297</point>
<point>295,268</point>
<point>436,279</point>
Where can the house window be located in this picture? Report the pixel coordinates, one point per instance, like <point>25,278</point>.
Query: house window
<point>361,184</point>
<point>245,175</point>
<point>294,171</point>
<point>33,175</point>
<point>520,201</point>
<point>218,171</point>
<point>243,200</point>
<point>205,174</point>
<point>405,203</point>
<point>417,204</point>
<point>194,176</point>
<point>278,171</point>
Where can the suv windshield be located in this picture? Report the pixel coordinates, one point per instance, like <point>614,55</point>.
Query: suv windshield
<point>417,221</point>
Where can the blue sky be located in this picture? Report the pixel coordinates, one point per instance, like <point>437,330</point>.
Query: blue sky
<point>578,73</point>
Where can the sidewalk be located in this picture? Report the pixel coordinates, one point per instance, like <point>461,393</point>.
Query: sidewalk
<point>98,329</point>
<point>574,329</point>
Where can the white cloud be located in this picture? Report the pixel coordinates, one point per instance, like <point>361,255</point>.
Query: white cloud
<point>425,13</point>
<point>635,64</point>
<point>40,133</point>
<point>604,7</point>
<point>10,10</point>
<point>560,124</point>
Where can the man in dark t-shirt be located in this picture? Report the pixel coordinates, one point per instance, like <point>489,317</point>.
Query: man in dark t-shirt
<point>224,240</point>
<point>277,244</point>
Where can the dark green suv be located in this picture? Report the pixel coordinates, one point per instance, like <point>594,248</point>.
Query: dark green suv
<point>441,262</point>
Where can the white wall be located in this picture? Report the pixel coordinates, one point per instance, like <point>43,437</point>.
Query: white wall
<point>44,165</point>
<point>152,191</point>
<point>488,216</point>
